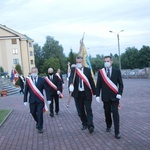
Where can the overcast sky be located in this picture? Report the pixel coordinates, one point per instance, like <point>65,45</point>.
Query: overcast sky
<point>67,20</point>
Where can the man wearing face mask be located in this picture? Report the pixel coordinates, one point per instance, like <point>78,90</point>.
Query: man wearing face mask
<point>35,86</point>
<point>110,85</point>
<point>82,86</point>
<point>54,87</point>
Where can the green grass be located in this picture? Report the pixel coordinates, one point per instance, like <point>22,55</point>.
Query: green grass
<point>3,114</point>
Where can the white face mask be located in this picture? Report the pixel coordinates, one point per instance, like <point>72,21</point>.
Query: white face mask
<point>34,75</point>
<point>78,65</point>
<point>107,64</point>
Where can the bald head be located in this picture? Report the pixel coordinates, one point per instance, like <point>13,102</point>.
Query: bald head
<point>50,70</point>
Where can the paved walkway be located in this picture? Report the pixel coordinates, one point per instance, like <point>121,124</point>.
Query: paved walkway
<point>63,131</point>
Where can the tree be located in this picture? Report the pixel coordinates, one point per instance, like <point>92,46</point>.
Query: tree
<point>18,69</point>
<point>72,57</point>
<point>130,58</point>
<point>51,63</point>
<point>1,70</point>
<point>52,49</point>
<point>144,57</point>
<point>39,60</point>
<point>115,60</point>
<point>97,62</point>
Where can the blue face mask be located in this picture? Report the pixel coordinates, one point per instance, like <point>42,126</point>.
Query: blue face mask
<point>107,64</point>
<point>78,65</point>
<point>34,75</point>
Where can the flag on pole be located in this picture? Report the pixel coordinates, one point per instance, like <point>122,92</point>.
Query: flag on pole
<point>14,75</point>
<point>86,60</point>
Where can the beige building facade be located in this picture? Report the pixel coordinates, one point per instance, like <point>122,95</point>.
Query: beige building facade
<point>15,48</point>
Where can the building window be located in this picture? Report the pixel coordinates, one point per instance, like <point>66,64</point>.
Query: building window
<point>15,61</point>
<point>31,53</point>
<point>15,51</point>
<point>14,41</point>
<point>30,44</point>
<point>31,62</point>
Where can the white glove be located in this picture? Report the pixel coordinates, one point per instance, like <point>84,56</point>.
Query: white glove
<point>63,85</point>
<point>94,96</point>
<point>118,96</point>
<point>25,103</point>
<point>48,102</point>
<point>98,99</point>
<point>58,92</point>
<point>67,79</point>
<point>71,88</point>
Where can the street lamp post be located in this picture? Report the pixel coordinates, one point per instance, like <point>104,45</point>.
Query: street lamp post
<point>118,46</point>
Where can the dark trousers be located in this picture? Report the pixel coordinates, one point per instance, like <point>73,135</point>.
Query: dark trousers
<point>85,109</point>
<point>112,107</point>
<point>21,89</point>
<point>36,109</point>
<point>77,107</point>
<point>56,99</point>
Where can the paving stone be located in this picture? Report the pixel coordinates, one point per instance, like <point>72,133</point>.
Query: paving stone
<point>63,131</point>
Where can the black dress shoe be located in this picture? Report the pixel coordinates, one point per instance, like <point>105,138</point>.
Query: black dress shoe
<point>91,129</point>
<point>84,127</point>
<point>108,129</point>
<point>40,130</point>
<point>117,136</point>
<point>52,115</point>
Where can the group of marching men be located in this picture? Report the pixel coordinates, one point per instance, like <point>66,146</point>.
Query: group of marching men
<point>53,86</point>
<point>109,87</point>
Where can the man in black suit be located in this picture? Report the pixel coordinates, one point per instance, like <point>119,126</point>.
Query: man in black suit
<point>21,83</point>
<point>110,85</point>
<point>82,87</point>
<point>60,76</point>
<point>54,87</point>
<point>34,86</point>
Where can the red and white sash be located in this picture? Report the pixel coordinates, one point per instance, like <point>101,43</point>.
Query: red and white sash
<point>37,92</point>
<point>57,74</point>
<point>110,84</point>
<point>53,86</point>
<point>84,78</point>
<point>22,79</point>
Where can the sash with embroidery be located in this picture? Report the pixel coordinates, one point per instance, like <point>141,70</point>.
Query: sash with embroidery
<point>110,84</point>
<point>50,83</point>
<point>37,93</point>
<point>84,78</point>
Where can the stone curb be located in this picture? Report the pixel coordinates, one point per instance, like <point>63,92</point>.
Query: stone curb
<point>6,118</point>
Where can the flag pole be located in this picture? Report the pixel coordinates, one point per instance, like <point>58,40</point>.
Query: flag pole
<point>80,53</point>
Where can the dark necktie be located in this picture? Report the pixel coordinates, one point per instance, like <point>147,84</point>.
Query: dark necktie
<point>35,81</point>
<point>108,73</point>
<point>80,82</point>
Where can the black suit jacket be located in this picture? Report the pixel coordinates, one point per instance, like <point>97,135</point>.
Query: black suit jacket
<point>21,82</point>
<point>61,78</point>
<point>106,93</point>
<point>87,73</point>
<point>32,97</point>
<point>55,81</point>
